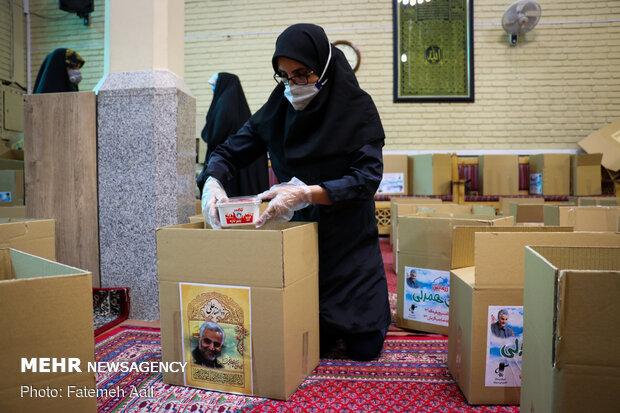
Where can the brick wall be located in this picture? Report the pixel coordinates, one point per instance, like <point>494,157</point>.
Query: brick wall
<point>559,83</point>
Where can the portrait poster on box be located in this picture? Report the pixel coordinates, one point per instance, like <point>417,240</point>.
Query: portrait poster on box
<point>220,359</point>
<point>427,295</point>
<point>504,346</point>
<point>392,183</point>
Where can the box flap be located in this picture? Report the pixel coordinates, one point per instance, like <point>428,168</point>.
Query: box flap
<point>33,236</point>
<point>504,203</point>
<point>607,142</point>
<point>538,310</point>
<point>408,208</point>
<point>585,389</point>
<point>25,266</point>
<point>579,320</point>
<point>592,159</point>
<point>18,211</point>
<point>245,257</point>
<point>529,213</point>
<point>463,240</point>
<point>499,257</point>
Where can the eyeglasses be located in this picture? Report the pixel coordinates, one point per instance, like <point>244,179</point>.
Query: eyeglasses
<point>297,79</point>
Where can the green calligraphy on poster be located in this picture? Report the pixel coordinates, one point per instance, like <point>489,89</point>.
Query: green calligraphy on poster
<point>433,50</point>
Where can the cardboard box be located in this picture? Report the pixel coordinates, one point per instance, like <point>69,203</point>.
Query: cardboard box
<point>569,359</point>
<point>425,247</point>
<point>583,218</point>
<point>13,211</point>
<point>406,200</point>
<point>34,236</point>
<point>475,295</point>
<point>586,174</point>
<point>430,174</point>
<point>470,308</point>
<point>486,210</point>
<point>527,214</point>
<point>282,279</point>
<point>504,203</point>
<point>47,312</point>
<point>606,141</point>
<point>463,240</point>
<point>395,176</point>
<point>408,208</point>
<point>499,174</point>
<point>594,200</point>
<point>11,182</point>
<point>554,170</point>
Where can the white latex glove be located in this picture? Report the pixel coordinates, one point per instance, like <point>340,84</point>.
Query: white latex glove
<point>286,198</point>
<point>211,193</point>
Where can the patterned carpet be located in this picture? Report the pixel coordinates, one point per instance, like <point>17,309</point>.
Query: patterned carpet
<point>410,375</point>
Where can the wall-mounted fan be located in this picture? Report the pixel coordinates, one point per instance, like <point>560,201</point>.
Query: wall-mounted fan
<point>520,17</point>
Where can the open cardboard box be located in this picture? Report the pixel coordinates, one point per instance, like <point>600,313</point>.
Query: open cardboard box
<point>499,174</point>
<point>583,218</point>
<point>430,174</point>
<point>395,179</point>
<point>554,172</point>
<point>424,248</point>
<point>263,284</point>
<point>13,211</point>
<point>570,358</point>
<point>396,201</point>
<point>476,295</point>
<point>527,214</point>
<point>504,203</point>
<point>406,209</point>
<point>586,175</point>
<point>47,312</point>
<point>34,236</point>
<point>605,141</point>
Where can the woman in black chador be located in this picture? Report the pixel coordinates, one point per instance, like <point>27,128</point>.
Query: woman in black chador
<point>229,110</point>
<point>325,138</point>
<point>59,72</point>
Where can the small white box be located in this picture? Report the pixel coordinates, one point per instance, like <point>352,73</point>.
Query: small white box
<point>238,211</point>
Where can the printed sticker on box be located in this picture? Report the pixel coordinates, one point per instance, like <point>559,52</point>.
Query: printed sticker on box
<point>427,295</point>
<point>504,346</point>
<point>5,197</point>
<point>217,337</point>
<point>392,183</point>
<point>536,184</point>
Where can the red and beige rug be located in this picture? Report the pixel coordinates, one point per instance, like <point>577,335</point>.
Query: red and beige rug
<point>409,376</point>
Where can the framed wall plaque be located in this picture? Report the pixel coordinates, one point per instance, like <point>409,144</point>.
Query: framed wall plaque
<point>433,51</point>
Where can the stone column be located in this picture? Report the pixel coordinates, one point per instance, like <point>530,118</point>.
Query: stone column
<point>146,144</point>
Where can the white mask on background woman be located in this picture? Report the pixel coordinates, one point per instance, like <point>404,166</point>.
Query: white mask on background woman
<point>75,76</point>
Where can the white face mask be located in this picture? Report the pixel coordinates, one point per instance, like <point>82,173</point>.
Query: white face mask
<point>301,95</point>
<point>75,76</point>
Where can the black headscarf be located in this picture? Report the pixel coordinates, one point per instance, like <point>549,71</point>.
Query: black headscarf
<point>340,118</point>
<point>52,76</point>
<point>229,110</point>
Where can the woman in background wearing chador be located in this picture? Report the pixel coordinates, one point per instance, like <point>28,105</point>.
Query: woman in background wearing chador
<point>229,110</point>
<point>325,140</point>
<point>59,72</point>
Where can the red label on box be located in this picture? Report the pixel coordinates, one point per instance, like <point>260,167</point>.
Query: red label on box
<point>239,217</point>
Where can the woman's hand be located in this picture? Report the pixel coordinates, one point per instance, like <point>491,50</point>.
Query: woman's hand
<point>211,193</point>
<point>286,198</point>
